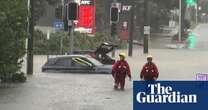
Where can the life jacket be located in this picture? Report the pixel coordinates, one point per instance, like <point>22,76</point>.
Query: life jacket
<point>149,71</point>
<point>122,67</point>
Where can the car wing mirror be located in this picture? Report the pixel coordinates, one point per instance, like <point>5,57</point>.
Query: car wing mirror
<point>91,65</point>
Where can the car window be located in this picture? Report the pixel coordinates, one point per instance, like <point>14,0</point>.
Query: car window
<point>79,62</point>
<point>51,62</point>
<point>94,61</point>
<point>87,61</point>
<point>63,62</point>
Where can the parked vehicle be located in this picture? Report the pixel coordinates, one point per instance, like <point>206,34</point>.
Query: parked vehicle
<point>76,64</point>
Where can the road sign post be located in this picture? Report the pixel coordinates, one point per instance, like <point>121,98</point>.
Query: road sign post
<point>146,26</point>
<point>114,19</point>
<point>131,34</point>
<point>72,12</point>
<point>30,39</point>
<point>180,20</point>
<point>71,35</point>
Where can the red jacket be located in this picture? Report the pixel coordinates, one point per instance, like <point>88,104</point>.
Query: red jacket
<point>149,71</point>
<point>121,66</point>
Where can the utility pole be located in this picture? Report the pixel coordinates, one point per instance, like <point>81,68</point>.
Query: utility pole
<point>72,13</point>
<point>71,35</point>
<point>180,21</point>
<point>62,18</point>
<point>113,35</point>
<point>146,26</point>
<point>196,7</point>
<point>114,19</point>
<point>131,34</point>
<point>30,40</point>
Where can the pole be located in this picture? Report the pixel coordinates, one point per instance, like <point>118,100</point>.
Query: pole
<point>61,44</point>
<point>113,35</point>
<point>180,20</point>
<point>48,38</point>
<point>114,28</point>
<point>131,34</point>
<point>146,26</point>
<point>30,40</point>
<point>196,7</point>
<point>63,7</point>
<point>71,35</point>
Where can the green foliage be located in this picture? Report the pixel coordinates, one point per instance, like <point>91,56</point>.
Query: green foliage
<point>53,2</point>
<point>39,9</point>
<point>84,42</point>
<point>160,12</point>
<point>40,42</point>
<point>102,15</point>
<point>53,45</point>
<point>13,20</point>
<point>18,77</point>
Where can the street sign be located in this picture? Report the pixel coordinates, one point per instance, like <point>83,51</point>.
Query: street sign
<point>124,31</point>
<point>86,21</point>
<point>59,25</point>
<point>146,30</point>
<point>126,7</point>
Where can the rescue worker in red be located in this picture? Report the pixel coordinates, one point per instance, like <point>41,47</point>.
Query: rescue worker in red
<point>119,71</point>
<point>149,71</point>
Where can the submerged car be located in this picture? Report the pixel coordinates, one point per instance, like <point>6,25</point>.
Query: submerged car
<point>75,64</point>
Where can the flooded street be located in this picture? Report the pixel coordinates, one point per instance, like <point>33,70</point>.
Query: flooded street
<point>62,91</point>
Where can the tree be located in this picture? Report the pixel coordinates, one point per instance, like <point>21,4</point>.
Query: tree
<point>102,15</point>
<point>204,6</point>
<point>53,2</point>
<point>160,12</point>
<point>39,7</point>
<point>13,20</point>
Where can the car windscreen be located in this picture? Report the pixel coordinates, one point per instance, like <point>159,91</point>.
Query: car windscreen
<point>94,61</point>
<point>79,62</point>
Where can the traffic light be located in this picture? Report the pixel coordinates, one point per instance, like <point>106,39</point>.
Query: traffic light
<point>73,11</point>
<point>190,2</point>
<point>114,14</point>
<point>58,12</point>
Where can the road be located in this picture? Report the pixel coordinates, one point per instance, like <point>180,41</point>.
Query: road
<point>201,32</point>
<point>57,91</point>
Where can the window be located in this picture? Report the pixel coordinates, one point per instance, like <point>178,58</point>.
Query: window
<point>51,62</point>
<point>94,61</point>
<point>80,62</point>
<point>63,62</point>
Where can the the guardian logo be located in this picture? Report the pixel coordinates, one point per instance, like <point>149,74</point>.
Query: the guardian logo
<point>162,94</point>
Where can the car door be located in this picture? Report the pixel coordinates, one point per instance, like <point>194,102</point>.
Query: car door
<point>81,65</point>
<point>63,65</point>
